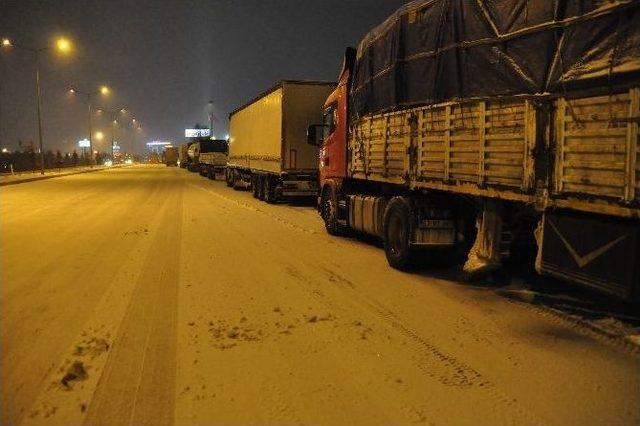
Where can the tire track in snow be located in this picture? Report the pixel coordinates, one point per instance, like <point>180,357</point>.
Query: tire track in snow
<point>432,361</point>
<point>138,383</point>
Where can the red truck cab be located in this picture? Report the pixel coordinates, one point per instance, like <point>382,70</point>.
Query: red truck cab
<point>332,137</point>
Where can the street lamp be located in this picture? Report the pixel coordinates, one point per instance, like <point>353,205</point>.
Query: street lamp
<point>112,114</point>
<point>63,45</point>
<point>104,90</point>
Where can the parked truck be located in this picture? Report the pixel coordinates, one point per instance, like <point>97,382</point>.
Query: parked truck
<point>183,158</point>
<point>171,156</point>
<point>517,123</point>
<point>213,160</point>
<point>267,147</point>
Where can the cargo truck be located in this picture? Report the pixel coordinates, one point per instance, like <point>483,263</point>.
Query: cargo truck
<point>213,160</point>
<point>171,156</point>
<point>183,160</point>
<point>267,147</point>
<point>193,157</point>
<point>517,123</point>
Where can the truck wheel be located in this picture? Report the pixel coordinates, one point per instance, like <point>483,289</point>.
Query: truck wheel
<point>397,234</point>
<point>227,177</point>
<point>210,173</point>
<point>260,187</point>
<point>329,213</point>
<point>254,186</point>
<point>236,180</point>
<point>268,190</point>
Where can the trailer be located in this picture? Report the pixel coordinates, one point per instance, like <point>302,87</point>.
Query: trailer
<point>481,139</point>
<point>213,158</point>
<point>183,155</point>
<point>267,147</point>
<point>170,156</point>
<point>193,157</point>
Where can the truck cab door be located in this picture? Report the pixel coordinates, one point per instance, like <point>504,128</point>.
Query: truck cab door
<point>333,152</point>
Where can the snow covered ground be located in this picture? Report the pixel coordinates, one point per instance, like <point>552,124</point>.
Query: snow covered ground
<point>23,177</point>
<point>150,295</point>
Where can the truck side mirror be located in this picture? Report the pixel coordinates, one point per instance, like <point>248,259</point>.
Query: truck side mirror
<point>315,134</point>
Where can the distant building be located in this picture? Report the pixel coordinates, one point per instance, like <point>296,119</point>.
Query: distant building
<point>157,146</point>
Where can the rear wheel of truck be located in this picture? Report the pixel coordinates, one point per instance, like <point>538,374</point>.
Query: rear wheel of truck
<point>227,177</point>
<point>260,187</point>
<point>329,213</point>
<point>254,186</point>
<point>236,180</point>
<point>397,234</point>
<point>268,190</point>
<point>210,173</point>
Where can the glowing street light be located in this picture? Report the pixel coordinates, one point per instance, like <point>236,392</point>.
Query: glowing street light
<point>99,136</point>
<point>63,45</point>
<point>113,117</point>
<point>102,90</point>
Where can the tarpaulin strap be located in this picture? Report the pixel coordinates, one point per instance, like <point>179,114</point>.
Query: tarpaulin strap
<point>621,29</point>
<point>559,46</point>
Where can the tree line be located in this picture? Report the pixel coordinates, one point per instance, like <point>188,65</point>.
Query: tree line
<point>28,159</point>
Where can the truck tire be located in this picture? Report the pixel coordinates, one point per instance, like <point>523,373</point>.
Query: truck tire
<point>227,177</point>
<point>260,187</point>
<point>236,180</point>
<point>254,186</point>
<point>329,213</point>
<point>210,174</point>
<point>397,233</point>
<point>269,191</point>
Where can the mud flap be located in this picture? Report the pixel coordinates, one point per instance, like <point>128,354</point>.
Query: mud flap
<point>598,252</point>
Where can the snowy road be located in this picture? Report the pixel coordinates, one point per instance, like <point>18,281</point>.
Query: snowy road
<point>150,295</point>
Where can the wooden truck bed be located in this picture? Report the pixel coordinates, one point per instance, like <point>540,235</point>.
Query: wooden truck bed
<point>498,148</point>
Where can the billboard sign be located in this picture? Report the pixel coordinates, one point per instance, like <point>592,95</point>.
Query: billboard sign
<point>197,133</point>
<point>84,143</point>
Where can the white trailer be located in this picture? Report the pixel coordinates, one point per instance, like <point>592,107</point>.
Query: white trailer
<point>267,141</point>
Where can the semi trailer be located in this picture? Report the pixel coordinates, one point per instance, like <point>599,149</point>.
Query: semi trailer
<point>213,160</point>
<point>171,156</point>
<point>183,155</point>
<point>267,147</point>
<point>492,126</point>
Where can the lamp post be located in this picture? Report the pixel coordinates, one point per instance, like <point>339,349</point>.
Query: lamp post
<point>112,116</point>
<point>63,45</point>
<point>104,90</point>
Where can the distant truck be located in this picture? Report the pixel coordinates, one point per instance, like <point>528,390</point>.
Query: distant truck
<point>171,156</point>
<point>213,157</point>
<point>193,157</point>
<point>267,147</point>
<point>448,134</point>
<point>196,151</point>
<point>183,155</point>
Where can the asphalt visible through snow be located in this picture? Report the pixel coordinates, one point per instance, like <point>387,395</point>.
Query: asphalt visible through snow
<point>150,295</point>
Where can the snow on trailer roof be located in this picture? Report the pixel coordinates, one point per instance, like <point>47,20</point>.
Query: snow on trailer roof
<point>279,85</point>
<point>432,51</point>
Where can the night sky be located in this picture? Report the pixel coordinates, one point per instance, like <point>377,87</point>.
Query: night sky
<point>165,60</point>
